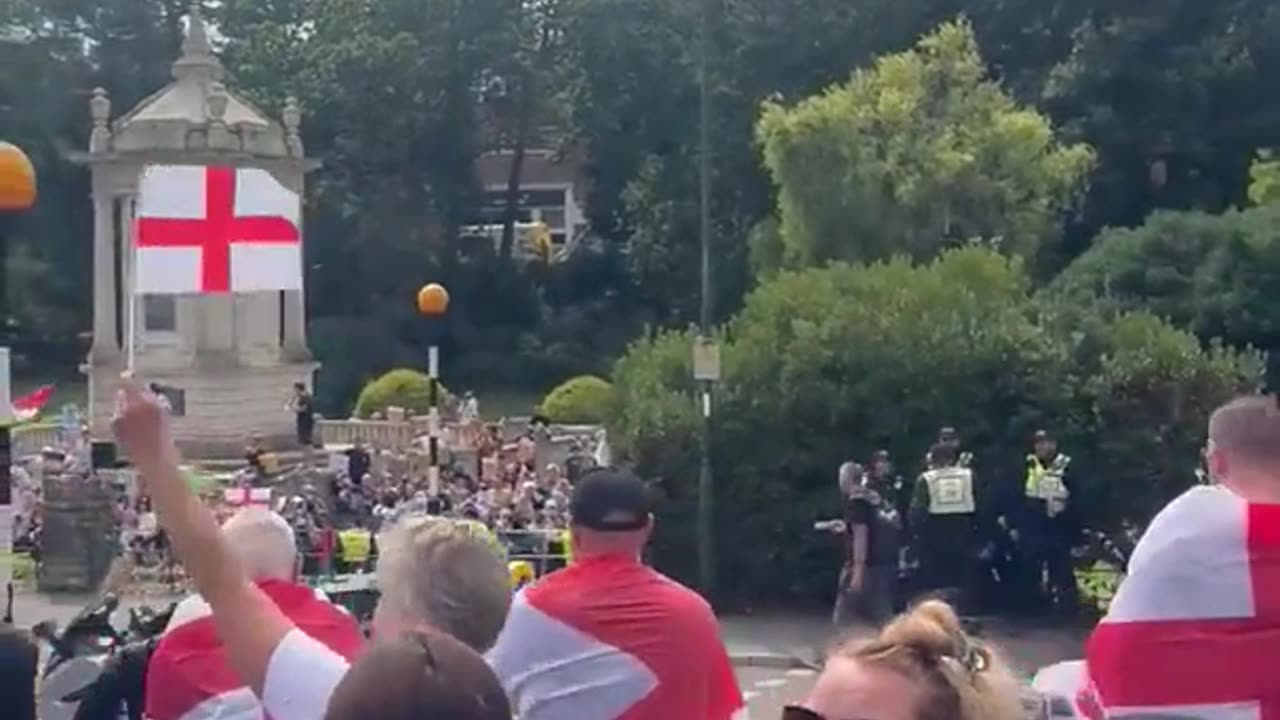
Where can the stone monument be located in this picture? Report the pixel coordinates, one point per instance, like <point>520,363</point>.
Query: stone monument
<point>227,363</point>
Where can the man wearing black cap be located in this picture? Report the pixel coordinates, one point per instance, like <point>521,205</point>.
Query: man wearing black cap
<point>608,637</point>
<point>943,520</point>
<point>1046,523</point>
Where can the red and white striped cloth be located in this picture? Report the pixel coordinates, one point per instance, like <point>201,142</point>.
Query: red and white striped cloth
<point>610,639</point>
<point>189,677</point>
<point>247,497</point>
<point>1194,630</point>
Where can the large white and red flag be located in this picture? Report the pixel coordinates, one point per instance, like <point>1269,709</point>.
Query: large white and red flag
<point>216,230</point>
<point>189,676</point>
<point>609,639</point>
<point>1194,629</point>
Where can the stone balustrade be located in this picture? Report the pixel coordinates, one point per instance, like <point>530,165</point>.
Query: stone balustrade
<point>379,433</point>
<point>29,439</point>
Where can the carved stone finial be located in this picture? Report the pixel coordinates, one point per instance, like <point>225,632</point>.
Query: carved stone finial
<point>197,60</point>
<point>216,102</point>
<point>197,40</point>
<point>292,115</point>
<point>100,111</point>
<point>291,118</point>
<point>220,137</point>
<point>100,106</point>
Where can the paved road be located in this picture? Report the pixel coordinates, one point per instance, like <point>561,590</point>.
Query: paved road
<point>764,648</point>
<point>768,690</point>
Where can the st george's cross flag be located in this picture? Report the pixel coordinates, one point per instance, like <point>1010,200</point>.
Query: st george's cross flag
<point>1194,629</point>
<point>610,639</point>
<point>215,230</point>
<point>189,676</point>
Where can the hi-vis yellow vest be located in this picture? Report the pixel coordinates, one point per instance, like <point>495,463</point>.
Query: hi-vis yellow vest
<point>950,490</point>
<point>355,545</point>
<point>1045,483</point>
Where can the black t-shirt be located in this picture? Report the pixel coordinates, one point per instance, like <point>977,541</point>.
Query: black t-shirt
<point>881,519</point>
<point>358,462</point>
<point>254,457</point>
<point>302,406</point>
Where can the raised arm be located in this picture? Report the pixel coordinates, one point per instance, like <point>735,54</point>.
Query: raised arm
<point>248,622</point>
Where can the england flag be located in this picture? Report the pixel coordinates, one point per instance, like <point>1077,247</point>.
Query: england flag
<point>1194,630</point>
<point>216,230</point>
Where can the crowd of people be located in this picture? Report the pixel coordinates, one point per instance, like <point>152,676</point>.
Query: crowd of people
<point>606,637</point>
<point>609,638</point>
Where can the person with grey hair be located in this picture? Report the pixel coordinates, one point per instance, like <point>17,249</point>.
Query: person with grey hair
<point>435,575</point>
<point>189,675</point>
<point>869,533</point>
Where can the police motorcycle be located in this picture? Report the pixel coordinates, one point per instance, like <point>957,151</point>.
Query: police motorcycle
<point>94,671</point>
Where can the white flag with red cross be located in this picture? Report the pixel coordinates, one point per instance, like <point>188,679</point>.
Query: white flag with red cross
<point>1194,629</point>
<point>216,229</point>
<point>247,497</point>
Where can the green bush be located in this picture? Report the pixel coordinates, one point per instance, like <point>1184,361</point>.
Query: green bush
<point>404,388</point>
<point>1217,275</point>
<point>829,364</point>
<point>583,399</point>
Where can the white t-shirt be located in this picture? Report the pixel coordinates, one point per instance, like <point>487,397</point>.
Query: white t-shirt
<point>301,677</point>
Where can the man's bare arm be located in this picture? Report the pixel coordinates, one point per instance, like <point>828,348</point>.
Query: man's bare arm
<point>248,622</point>
<point>859,541</point>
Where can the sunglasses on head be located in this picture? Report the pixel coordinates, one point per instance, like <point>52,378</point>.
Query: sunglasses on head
<point>795,712</point>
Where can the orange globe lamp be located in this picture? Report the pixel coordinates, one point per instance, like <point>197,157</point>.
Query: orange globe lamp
<point>433,300</point>
<point>17,179</point>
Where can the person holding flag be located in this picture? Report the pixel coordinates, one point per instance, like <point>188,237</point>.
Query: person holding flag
<point>1194,629</point>
<point>189,676</point>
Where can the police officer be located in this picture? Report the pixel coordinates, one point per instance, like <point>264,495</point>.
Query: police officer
<point>1047,523</point>
<point>943,519</point>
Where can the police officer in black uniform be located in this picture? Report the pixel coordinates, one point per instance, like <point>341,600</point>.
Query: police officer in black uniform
<point>943,520</point>
<point>1047,528</point>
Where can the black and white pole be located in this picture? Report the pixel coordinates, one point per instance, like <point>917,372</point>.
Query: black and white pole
<point>433,301</point>
<point>433,425</point>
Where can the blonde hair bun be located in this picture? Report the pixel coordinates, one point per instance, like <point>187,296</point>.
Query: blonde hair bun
<point>961,678</point>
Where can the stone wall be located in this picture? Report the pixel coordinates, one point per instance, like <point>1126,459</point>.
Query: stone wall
<point>222,408</point>
<point>79,539</point>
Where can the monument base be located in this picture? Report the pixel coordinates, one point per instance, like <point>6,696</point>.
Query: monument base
<point>215,408</point>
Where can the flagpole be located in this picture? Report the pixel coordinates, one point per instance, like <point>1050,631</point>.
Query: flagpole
<point>131,312</point>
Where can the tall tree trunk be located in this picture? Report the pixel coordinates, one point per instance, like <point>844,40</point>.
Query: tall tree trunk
<point>524,124</point>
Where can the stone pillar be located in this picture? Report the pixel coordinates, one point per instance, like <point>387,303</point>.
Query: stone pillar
<point>105,344</point>
<point>295,327</point>
<point>129,300</point>
<point>295,347</point>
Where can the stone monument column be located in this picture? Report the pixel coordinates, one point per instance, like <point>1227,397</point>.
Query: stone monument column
<point>294,331</point>
<point>105,332</point>
<point>106,343</point>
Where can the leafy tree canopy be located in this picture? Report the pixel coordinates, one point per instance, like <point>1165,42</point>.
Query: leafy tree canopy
<point>919,152</point>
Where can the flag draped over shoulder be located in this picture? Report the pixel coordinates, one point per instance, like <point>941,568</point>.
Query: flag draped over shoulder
<point>1194,630</point>
<point>610,639</point>
<point>189,677</point>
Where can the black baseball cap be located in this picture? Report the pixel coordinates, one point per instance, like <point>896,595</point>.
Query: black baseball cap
<point>610,500</point>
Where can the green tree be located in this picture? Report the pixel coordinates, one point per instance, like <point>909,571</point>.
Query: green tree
<point>824,365</point>
<point>1216,275</point>
<point>1148,83</point>
<point>402,388</point>
<point>582,399</point>
<point>921,152</point>
<point>1264,179</point>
